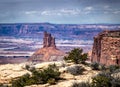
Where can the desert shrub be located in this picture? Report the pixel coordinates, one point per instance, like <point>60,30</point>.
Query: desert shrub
<point>50,75</point>
<point>77,56</point>
<point>106,79</point>
<point>116,78</point>
<point>51,81</point>
<point>101,81</point>
<point>21,82</point>
<point>75,70</point>
<point>81,84</point>
<point>29,67</point>
<point>102,67</point>
<point>95,66</point>
<point>112,68</point>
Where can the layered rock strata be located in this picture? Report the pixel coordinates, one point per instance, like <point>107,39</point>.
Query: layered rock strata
<point>106,48</point>
<point>49,52</point>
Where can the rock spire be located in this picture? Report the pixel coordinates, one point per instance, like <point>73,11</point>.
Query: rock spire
<point>48,40</point>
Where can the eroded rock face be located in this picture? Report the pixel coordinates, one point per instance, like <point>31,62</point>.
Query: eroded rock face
<point>106,48</point>
<point>48,40</point>
<point>49,52</point>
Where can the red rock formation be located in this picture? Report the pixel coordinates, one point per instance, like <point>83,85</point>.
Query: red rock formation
<point>49,52</point>
<point>48,40</point>
<point>106,48</point>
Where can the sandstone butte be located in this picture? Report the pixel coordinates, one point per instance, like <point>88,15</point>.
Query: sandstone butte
<point>106,48</point>
<point>48,52</point>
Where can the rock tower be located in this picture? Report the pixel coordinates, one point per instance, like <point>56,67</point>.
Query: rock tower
<point>48,52</point>
<point>106,48</point>
<point>48,40</point>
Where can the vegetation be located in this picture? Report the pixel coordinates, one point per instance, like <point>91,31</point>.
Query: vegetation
<point>112,68</point>
<point>50,75</point>
<point>101,81</point>
<point>77,56</point>
<point>75,70</point>
<point>97,66</point>
<point>106,79</point>
<point>81,84</point>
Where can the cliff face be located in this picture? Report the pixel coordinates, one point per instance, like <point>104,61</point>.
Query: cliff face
<point>49,52</point>
<point>106,48</point>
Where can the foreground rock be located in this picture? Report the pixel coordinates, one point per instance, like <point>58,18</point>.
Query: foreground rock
<point>11,71</point>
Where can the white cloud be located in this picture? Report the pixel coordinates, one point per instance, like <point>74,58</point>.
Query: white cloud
<point>31,12</point>
<point>89,8</point>
<point>60,12</point>
<point>116,12</point>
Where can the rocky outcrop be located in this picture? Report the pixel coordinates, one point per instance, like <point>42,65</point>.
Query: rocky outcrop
<point>49,52</point>
<point>106,48</point>
<point>48,40</point>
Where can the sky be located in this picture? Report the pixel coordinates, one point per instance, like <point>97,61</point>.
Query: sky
<point>60,11</point>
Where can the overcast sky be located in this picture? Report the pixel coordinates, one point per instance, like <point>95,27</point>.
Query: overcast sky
<point>60,11</point>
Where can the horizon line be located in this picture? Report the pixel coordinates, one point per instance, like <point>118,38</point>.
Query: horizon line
<point>62,23</point>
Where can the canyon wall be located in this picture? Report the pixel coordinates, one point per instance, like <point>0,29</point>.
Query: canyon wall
<point>106,48</point>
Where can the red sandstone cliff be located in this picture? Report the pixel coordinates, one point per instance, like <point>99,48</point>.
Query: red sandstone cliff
<point>106,48</point>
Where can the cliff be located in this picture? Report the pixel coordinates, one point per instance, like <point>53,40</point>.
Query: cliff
<point>106,48</point>
<point>49,52</point>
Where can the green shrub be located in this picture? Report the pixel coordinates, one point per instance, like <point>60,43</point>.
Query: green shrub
<point>77,56</point>
<point>50,74</point>
<point>95,66</point>
<point>112,68</point>
<point>81,84</point>
<point>75,70</point>
<point>21,82</point>
<point>101,81</point>
<point>51,81</point>
<point>116,78</point>
<point>102,67</point>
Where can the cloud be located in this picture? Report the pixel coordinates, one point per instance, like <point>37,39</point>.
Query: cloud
<point>58,12</point>
<point>117,12</point>
<point>89,8</point>
<point>31,12</point>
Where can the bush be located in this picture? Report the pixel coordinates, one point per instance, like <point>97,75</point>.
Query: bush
<point>116,78</point>
<point>22,81</point>
<point>106,79</point>
<point>81,84</point>
<point>112,68</point>
<point>49,74</point>
<point>101,80</point>
<point>51,81</point>
<point>95,66</point>
<point>75,70</point>
<point>76,56</point>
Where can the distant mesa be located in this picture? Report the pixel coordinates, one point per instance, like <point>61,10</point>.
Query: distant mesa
<point>106,48</point>
<point>48,52</point>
